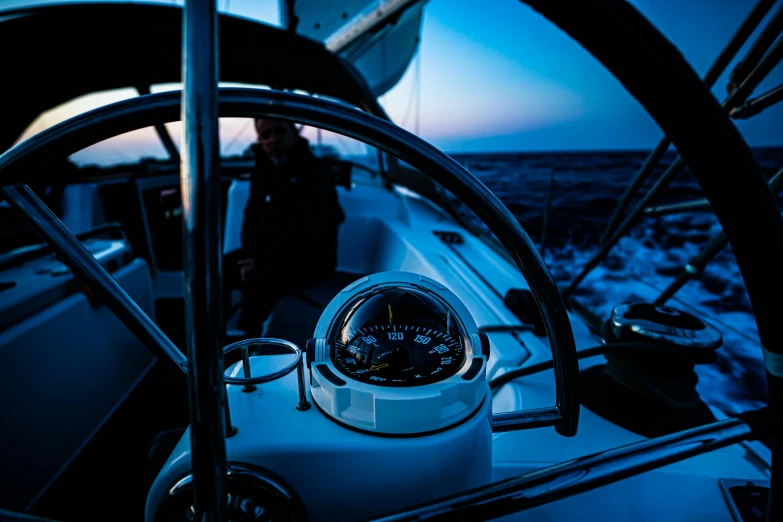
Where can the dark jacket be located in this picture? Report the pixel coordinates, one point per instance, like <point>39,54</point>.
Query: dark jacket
<point>292,215</point>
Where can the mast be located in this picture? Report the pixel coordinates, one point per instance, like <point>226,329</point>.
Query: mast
<point>200,183</point>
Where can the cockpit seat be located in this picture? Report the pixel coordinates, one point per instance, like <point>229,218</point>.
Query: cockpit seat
<point>295,316</point>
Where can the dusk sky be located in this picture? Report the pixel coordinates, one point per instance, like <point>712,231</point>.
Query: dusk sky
<point>496,76</point>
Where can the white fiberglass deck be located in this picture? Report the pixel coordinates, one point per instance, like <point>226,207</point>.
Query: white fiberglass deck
<point>395,230</point>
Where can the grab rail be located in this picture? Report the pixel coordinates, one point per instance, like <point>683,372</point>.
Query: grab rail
<point>25,254</point>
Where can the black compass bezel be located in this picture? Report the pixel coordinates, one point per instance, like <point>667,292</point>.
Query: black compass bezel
<point>453,333</point>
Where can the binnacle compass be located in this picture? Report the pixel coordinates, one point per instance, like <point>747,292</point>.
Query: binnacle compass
<point>399,336</point>
<point>397,353</point>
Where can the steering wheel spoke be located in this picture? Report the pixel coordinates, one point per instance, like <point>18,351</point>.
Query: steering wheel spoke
<point>656,74</point>
<point>106,122</point>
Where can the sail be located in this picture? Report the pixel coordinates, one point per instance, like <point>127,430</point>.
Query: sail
<point>379,37</point>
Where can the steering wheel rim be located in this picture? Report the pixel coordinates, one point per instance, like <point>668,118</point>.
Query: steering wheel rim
<point>125,116</point>
<point>655,73</point>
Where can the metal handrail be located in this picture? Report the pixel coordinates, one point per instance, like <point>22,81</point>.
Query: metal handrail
<point>757,51</point>
<point>655,73</point>
<point>583,474</point>
<point>695,205</point>
<point>722,61</point>
<point>759,103</point>
<point>761,71</point>
<point>714,246</point>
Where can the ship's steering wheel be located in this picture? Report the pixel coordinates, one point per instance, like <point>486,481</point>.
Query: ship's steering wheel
<point>113,120</point>
<point>653,72</point>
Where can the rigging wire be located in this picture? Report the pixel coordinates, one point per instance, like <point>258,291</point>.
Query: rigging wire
<point>344,145</point>
<point>547,210</point>
<point>122,155</point>
<point>341,143</point>
<point>418,89</point>
<point>241,131</point>
<point>415,86</point>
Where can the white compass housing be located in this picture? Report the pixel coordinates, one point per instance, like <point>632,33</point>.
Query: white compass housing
<point>397,353</point>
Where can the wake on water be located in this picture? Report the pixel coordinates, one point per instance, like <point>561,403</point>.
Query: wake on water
<point>586,188</point>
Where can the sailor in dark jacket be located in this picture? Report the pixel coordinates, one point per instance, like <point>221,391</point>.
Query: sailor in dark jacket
<point>289,234</point>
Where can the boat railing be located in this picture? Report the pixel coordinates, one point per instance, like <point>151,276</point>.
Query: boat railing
<point>728,53</point>
<point>762,56</point>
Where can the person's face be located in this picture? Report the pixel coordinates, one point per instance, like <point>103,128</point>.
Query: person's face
<point>277,138</point>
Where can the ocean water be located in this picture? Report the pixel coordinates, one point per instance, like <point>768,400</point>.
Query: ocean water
<point>586,187</point>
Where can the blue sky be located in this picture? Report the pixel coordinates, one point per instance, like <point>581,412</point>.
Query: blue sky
<point>505,78</point>
<point>497,76</point>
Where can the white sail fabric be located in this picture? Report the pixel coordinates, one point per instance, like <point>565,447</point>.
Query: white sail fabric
<point>379,37</point>
<point>320,19</point>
